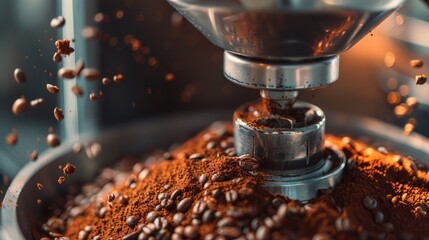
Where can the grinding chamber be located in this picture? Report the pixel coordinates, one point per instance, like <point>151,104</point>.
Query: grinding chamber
<point>280,48</point>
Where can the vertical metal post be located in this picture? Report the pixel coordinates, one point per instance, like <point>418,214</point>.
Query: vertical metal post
<point>81,115</point>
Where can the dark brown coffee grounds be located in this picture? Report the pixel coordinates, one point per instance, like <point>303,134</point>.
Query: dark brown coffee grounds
<point>200,192</point>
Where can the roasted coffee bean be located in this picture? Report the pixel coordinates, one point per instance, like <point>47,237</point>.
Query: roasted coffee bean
<point>211,145</point>
<point>203,179</point>
<point>80,64</point>
<point>248,162</point>
<point>151,216</point>
<point>66,73</point>
<point>34,155</point>
<point>190,232</point>
<point>175,194</point>
<point>143,174</point>
<point>245,192</point>
<point>58,114</point>
<point>158,207</point>
<point>217,193</point>
<point>208,216</point>
<point>118,78</point>
<point>57,57</point>
<point>229,232</point>
<point>123,200</point>
<point>378,217</point>
<point>421,211</point>
<point>184,205</point>
<point>370,202</point>
<point>52,89</point>
<point>263,233</point>
<point>93,97</point>
<point>162,196</point>
<point>231,196</point>
<point>196,156</point>
<point>37,102</point>
<point>52,140</point>
<point>131,236</point>
<point>19,106</point>
<point>102,212</point>
<point>88,229</point>
<point>230,152</point>
<point>178,218</point>
<point>199,207</point>
<point>91,74</point>
<point>404,197</point>
<point>196,222</point>
<point>77,90</point>
<point>19,76</point>
<point>235,212</point>
<point>226,221</point>
<point>176,236</point>
<point>416,63</point>
<point>167,203</point>
<point>421,79</point>
<point>90,32</point>
<point>342,224</point>
<point>111,197</point>
<point>210,236</point>
<point>12,137</point>
<point>57,22</point>
<point>395,199</point>
<point>82,235</point>
<point>167,156</point>
<point>277,202</point>
<point>218,177</point>
<point>207,185</point>
<point>321,236</point>
<point>105,81</point>
<point>131,221</point>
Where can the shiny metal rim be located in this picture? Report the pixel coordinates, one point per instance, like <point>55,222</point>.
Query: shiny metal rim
<point>305,187</point>
<point>287,75</point>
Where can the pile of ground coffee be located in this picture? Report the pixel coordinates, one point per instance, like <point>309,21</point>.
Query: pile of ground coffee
<point>202,190</point>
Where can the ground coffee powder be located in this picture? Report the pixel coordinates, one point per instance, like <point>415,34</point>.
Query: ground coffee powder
<point>202,190</point>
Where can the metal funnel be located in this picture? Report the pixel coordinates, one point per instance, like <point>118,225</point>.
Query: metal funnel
<point>285,29</point>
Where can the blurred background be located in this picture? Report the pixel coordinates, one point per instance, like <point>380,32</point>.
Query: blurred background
<point>170,67</point>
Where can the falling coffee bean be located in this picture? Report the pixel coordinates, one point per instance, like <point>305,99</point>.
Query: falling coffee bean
<point>416,63</point>
<point>66,73</point>
<point>58,22</point>
<point>80,64</point>
<point>34,155</point>
<point>19,76</point>
<point>57,57</point>
<point>93,97</point>
<point>52,140</point>
<point>105,81</point>
<point>12,137</point>
<point>36,102</point>
<point>421,79</point>
<point>19,106</point>
<point>58,114</point>
<point>118,78</point>
<point>77,90</point>
<point>91,74</point>
<point>52,89</point>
